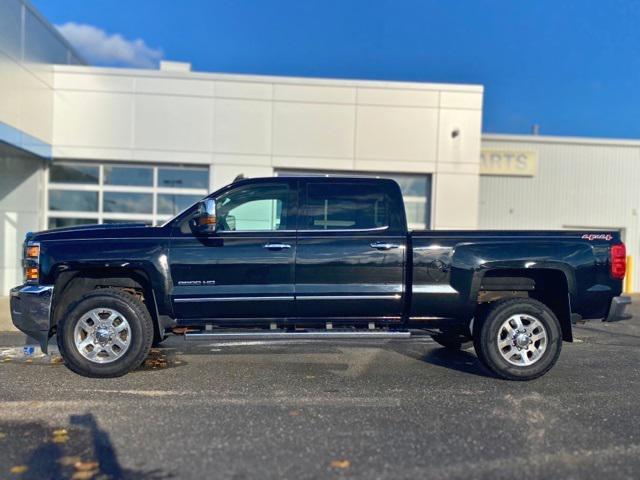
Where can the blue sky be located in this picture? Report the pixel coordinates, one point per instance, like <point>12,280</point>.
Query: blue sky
<point>571,66</point>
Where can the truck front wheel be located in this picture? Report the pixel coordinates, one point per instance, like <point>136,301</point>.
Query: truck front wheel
<point>106,333</point>
<point>518,339</point>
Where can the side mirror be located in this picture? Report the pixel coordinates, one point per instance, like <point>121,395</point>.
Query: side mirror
<point>204,223</point>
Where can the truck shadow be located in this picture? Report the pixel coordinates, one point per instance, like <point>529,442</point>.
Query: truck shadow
<point>34,450</point>
<point>461,361</point>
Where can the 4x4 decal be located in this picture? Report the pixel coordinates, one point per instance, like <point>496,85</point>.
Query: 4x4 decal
<point>597,236</point>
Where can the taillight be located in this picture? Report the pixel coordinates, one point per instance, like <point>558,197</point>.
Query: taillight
<point>618,261</point>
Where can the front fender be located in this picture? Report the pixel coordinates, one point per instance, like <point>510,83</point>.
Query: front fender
<point>145,258</point>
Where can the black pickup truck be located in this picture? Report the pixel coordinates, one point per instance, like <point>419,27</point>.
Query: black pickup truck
<point>313,257</point>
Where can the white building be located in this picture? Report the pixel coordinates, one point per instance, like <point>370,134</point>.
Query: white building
<point>81,144</point>
<point>563,183</point>
<point>139,145</point>
<point>426,135</point>
<point>28,47</point>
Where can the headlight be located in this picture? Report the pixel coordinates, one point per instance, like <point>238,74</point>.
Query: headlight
<point>33,251</point>
<point>31,274</point>
<point>32,262</point>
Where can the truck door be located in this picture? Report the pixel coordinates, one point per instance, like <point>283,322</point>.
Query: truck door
<point>245,270</point>
<point>351,250</point>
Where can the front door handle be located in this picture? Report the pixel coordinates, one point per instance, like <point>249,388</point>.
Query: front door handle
<point>384,245</point>
<point>276,246</point>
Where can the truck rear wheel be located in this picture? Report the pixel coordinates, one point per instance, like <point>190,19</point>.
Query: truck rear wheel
<point>106,333</point>
<point>518,339</point>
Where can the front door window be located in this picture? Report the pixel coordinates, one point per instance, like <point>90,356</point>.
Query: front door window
<point>254,208</point>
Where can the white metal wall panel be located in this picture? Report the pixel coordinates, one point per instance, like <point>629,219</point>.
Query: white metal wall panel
<point>586,185</point>
<point>28,47</point>
<point>242,124</point>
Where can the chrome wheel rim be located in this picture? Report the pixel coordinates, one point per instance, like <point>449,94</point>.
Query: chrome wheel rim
<point>522,340</point>
<point>102,335</point>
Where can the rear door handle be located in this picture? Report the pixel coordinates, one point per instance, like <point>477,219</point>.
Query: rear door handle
<point>276,246</point>
<point>384,245</point>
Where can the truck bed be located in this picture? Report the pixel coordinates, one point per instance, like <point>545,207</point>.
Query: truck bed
<point>448,268</point>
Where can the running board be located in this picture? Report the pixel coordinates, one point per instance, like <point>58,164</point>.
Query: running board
<point>293,335</point>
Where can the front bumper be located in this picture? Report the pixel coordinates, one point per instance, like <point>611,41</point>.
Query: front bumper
<point>617,310</point>
<point>31,311</point>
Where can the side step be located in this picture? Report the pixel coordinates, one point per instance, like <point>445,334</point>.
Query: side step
<point>274,335</point>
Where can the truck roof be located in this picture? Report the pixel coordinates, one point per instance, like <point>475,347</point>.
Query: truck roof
<point>319,177</point>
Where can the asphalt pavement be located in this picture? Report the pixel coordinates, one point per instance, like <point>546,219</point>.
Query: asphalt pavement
<point>384,409</point>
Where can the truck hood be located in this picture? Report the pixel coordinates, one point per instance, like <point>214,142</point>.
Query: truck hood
<point>102,231</point>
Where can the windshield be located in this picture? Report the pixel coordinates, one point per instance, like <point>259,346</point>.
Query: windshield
<point>183,212</point>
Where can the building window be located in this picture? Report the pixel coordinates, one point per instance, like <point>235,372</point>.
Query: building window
<point>69,222</point>
<point>416,191</point>
<point>125,202</point>
<point>73,173</point>
<point>182,178</point>
<point>131,176</point>
<point>171,203</point>
<point>73,200</point>
<point>84,193</point>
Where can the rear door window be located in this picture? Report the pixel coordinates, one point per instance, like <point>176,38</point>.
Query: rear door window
<point>345,206</point>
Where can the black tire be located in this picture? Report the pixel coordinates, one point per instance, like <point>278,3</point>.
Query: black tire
<point>452,342</point>
<point>487,330</point>
<point>157,340</point>
<point>141,331</point>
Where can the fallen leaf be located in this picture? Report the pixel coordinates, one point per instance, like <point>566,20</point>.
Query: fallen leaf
<point>86,475</point>
<point>181,330</point>
<point>2,435</point>
<point>56,360</point>
<point>156,362</point>
<point>18,469</point>
<point>6,360</point>
<point>67,461</point>
<point>341,463</point>
<point>28,360</point>
<point>86,466</point>
<point>294,413</point>
<point>60,435</point>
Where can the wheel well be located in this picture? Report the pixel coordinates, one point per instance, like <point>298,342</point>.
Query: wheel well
<point>70,286</point>
<point>545,285</point>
